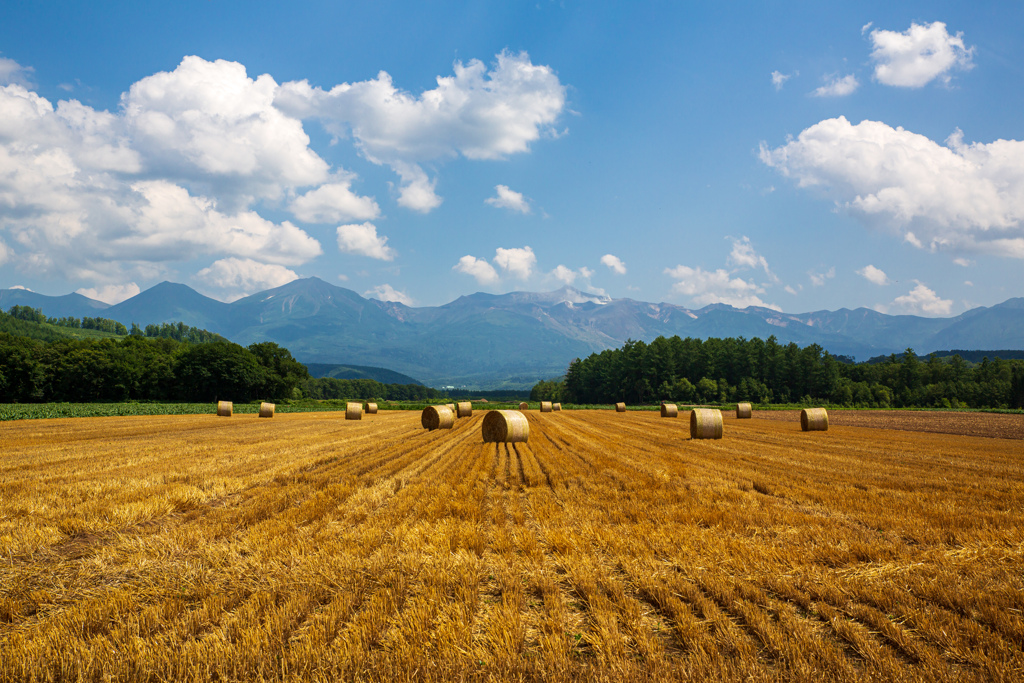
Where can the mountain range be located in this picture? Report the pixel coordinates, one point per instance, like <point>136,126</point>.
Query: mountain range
<point>489,341</point>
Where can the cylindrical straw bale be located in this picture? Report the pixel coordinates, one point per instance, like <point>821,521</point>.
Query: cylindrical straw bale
<point>353,411</point>
<point>556,406</point>
<point>464,409</point>
<point>669,410</point>
<point>620,407</point>
<point>371,408</point>
<point>225,408</point>
<point>524,406</point>
<point>545,406</point>
<point>743,411</point>
<point>814,420</point>
<point>705,423</point>
<point>437,417</point>
<point>267,409</point>
<point>505,426</point>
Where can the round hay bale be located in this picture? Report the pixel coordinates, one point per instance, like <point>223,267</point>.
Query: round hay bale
<point>620,407</point>
<point>505,426</point>
<point>814,420</point>
<point>556,406</point>
<point>371,408</point>
<point>225,408</point>
<point>669,410</point>
<point>545,406</point>
<point>437,417</point>
<point>464,409</point>
<point>743,411</point>
<point>705,423</point>
<point>267,409</point>
<point>524,406</point>
<point>353,411</point>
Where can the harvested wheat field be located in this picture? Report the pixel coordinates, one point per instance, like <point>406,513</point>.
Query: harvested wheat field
<point>609,547</point>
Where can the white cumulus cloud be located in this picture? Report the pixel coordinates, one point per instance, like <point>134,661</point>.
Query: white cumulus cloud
<point>232,278</point>
<point>363,239</point>
<point>386,292</point>
<point>919,55</point>
<point>111,294</point>
<point>836,86</point>
<point>12,72</point>
<point>958,197</point>
<point>476,113</point>
<point>564,274</point>
<point>517,261</point>
<point>919,301</point>
<point>873,275</point>
<point>509,199</point>
<point>615,263</point>
<point>334,202</point>
<point>480,269</point>
<point>713,287</point>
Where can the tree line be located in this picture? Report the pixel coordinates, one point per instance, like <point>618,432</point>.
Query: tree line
<point>178,331</point>
<point>169,362</point>
<point>765,371</point>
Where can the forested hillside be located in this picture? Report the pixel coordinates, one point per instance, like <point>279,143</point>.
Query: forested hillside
<point>728,370</point>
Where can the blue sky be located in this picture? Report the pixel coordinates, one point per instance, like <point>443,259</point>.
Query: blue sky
<point>799,155</point>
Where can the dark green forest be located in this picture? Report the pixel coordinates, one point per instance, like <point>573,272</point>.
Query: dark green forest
<point>169,362</point>
<point>764,371</point>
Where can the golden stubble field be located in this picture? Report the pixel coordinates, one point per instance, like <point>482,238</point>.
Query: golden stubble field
<point>610,547</point>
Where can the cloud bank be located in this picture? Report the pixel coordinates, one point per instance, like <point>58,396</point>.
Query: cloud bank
<point>955,197</point>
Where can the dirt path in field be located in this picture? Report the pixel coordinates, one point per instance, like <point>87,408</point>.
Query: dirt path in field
<point>940,422</point>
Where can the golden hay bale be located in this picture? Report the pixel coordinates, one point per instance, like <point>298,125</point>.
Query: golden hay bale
<point>556,406</point>
<point>743,411</point>
<point>505,426</point>
<point>620,407</point>
<point>705,423</point>
<point>814,420</point>
<point>267,409</point>
<point>437,417</point>
<point>545,406</point>
<point>371,408</point>
<point>225,408</point>
<point>353,411</point>
<point>524,406</point>
<point>669,410</point>
<point>450,406</point>
<point>464,409</point>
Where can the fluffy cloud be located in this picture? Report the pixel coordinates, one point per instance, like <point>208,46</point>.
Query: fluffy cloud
<point>476,113</point>
<point>386,292</point>
<point>417,190</point>
<point>509,199</point>
<point>919,55</point>
<point>483,271</point>
<point>966,263</point>
<point>111,294</point>
<point>363,239</point>
<point>779,79</point>
<point>334,202</point>
<point>837,87</point>
<point>615,263</point>
<point>173,175</point>
<point>967,197</point>
<point>713,287</point>
<point>208,121</point>
<point>919,301</point>
<point>517,262</point>
<point>564,274</point>
<point>873,275</point>
<point>233,278</point>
